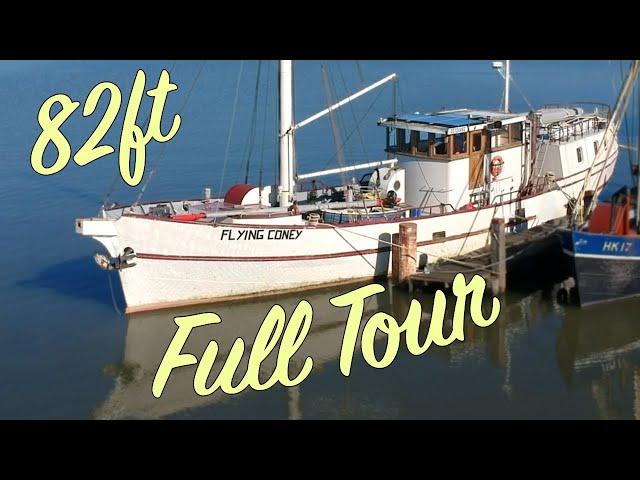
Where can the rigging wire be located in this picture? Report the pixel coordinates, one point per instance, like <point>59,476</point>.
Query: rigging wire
<point>353,113</point>
<point>333,120</point>
<point>399,90</point>
<point>521,93</point>
<point>331,159</point>
<point>341,122</point>
<point>164,145</point>
<point>360,72</point>
<point>113,184</point>
<point>233,119</point>
<point>252,129</point>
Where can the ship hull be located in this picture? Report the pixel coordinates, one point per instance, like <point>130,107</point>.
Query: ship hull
<point>185,262</point>
<point>605,267</point>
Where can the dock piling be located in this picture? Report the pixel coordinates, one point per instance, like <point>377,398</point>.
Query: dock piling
<point>404,252</point>
<point>498,257</point>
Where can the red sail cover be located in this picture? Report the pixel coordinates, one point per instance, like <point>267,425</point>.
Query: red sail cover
<point>236,193</point>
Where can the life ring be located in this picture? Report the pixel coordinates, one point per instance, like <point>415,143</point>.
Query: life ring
<point>495,166</point>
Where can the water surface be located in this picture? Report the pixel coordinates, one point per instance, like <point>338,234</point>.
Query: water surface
<point>67,352</point>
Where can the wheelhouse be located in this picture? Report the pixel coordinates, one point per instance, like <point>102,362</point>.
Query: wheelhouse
<point>458,158</point>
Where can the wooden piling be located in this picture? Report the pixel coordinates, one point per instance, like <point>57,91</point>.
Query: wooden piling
<point>498,257</point>
<point>404,252</point>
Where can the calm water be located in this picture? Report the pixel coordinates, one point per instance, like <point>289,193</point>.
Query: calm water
<point>66,352</point>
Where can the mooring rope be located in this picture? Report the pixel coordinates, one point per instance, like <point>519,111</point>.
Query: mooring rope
<point>475,266</point>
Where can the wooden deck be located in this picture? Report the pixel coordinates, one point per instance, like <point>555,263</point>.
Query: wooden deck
<point>478,262</point>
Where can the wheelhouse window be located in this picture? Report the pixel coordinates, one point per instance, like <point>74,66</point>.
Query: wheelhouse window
<point>515,133</point>
<point>423,143</point>
<point>579,152</point>
<point>440,144</point>
<point>415,137</point>
<point>503,137</point>
<point>509,135</point>
<point>459,143</point>
<point>402,140</point>
<point>428,144</point>
<point>476,142</point>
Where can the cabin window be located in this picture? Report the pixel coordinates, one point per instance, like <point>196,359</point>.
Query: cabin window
<point>476,146</point>
<point>579,151</point>
<point>402,140</point>
<point>415,136</point>
<point>459,143</point>
<point>423,143</point>
<point>503,137</point>
<point>440,146</point>
<point>509,135</point>
<point>515,132</point>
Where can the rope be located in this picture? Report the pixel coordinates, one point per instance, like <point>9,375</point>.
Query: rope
<point>252,130</point>
<point>475,266</point>
<point>353,112</point>
<point>333,121</point>
<point>164,145</point>
<point>233,119</point>
<point>400,96</point>
<point>521,93</point>
<point>335,227</point>
<point>330,160</point>
<point>360,72</point>
<point>340,123</point>
<point>117,175</point>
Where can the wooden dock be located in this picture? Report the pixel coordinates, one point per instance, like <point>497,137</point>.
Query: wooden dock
<point>488,261</point>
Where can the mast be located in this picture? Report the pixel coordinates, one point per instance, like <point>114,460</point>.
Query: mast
<point>287,149</point>
<point>507,78</point>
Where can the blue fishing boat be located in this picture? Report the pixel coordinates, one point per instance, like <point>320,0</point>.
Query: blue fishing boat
<point>604,258</point>
<point>602,243</point>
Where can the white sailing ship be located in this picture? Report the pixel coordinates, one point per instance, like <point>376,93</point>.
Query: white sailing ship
<point>451,172</point>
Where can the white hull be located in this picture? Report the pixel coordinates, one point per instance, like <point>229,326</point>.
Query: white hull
<point>187,262</point>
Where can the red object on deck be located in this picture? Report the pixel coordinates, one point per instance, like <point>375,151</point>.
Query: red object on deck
<point>189,217</point>
<point>601,219</point>
<point>236,194</point>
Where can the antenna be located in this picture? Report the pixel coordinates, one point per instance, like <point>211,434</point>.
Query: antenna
<point>504,69</point>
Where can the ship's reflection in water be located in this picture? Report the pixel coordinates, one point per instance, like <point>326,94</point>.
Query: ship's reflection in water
<point>539,360</point>
<point>599,349</point>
